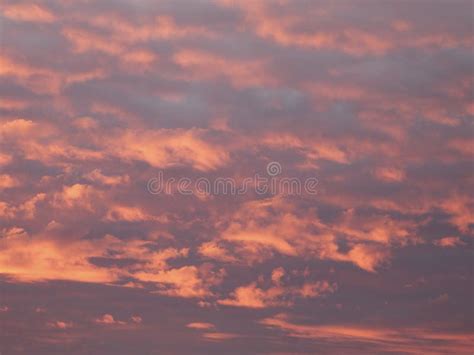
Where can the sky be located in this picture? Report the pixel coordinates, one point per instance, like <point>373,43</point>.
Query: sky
<point>345,128</point>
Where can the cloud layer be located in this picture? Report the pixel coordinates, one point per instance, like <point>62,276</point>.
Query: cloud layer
<point>373,99</point>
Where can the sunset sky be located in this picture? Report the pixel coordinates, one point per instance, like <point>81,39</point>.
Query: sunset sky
<point>373,100</point>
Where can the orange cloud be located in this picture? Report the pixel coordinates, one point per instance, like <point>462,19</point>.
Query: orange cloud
<point>390,174</point>
<point>6,211</point>
<point>220,336</point>
<point>277,275</point>
<point>461,210</point>
<point>60,325</point>
<point>5,159</point>
<point>136,319</point>
<point>97,176</point>
<point>164,148</point>
<point>42,142</point>
<point>13,232</point>
<point>13,104</point>
<point>204,66</point>
<point>44,257</point>
<point>108,319</point>
<point>280,24</point>
<point>8,181</point>
<point>28,13</point>
<point>368,257</point>
<point>214,251</point>
<point>161,27</point>
<point>449,242</point>
<point>256,231</point>
<point>84,41</point>
<point>29,260</point>
<point>131,214</point>
<point>199,325</point>
<point>187,281</point>
<point>140,57</point>
<point>380,229</point>
<point>167,28</point>
<point>254,239</point>
<point>316,289</point>
<point>463,146</point>
<point>279,28</point>
<point>309,86</point>
<point>414,341</point>
<point>251,296</point>
<point>401,25</point>
<point>29,207</point>
<point>85,123</point>
<point>38,79</point>
<point>16,128</point>
<point>77,195</point>
<point>321,149</point>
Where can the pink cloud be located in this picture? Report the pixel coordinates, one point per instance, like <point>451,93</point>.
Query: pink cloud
<point>108,319</point>
<point>449,242</point>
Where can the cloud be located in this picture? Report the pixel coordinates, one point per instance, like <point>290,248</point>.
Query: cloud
<point>130,214</point>
<point>165,148</point>
<point>13,233</point>
<point>77,195</point>
<point>274,225</point>
<point>60,325</point>
<point>460,210</point>
<point>17,128</point>
<point>216,336</point>
<point>187,281</point>
<point>373,338</point>
<point>97,176</point>
<point>47,257</point>
<point>7,181</point>
<point>373,101</point>
<point>5,159</point>
<point>28,13</point>
<point>253,297</point>
<point>199,325</point>
<point>205,66</point>
<point>39,260</point>
<point>29,207</point>
<point>277,274</point>
<point>108,319</point>
<point>367,257</point>
<point>390,174</point>
<point>136,319</point>
<point>214,251</point>
<point>449,242</point>
<point>323,149</point>
<point>83,41</point>
<point>280,294</point>
<point>209,333</point>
